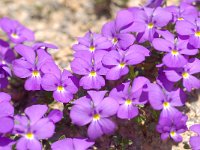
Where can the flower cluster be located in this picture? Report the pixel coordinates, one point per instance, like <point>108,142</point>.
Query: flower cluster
<point>146,56</point>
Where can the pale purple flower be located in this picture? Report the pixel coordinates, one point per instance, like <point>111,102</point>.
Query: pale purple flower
<point>96,111</point>
<point>6,113</point>
<point>129,97</point>
<point>29,66</point>
<point>117,61</point>
<point>172,127</point>
<point>33,127</point>
<point>166,101</point>
<point>72,144</point>
<point>176,51</point>
<point>186,73</point>
<point>15,31</point>
<point>194,140</point>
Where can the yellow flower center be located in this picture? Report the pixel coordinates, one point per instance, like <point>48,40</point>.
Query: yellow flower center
<point>92,74</point>
<point>150,25</point>
<point>174,52</point>
<point>165,104</point>
<point>197,33</point>
<point>29,136</point>
<point>114,40</point>
<point>14,35</point>
<point>185,75</point>
<point>35,73</point>
<point>92,48</point>
<point>60,88</point>
<point>128,102</point>
<point>180,18</point>
<point>122,65</point>
<point>96,117</point>
<point>172,133</point>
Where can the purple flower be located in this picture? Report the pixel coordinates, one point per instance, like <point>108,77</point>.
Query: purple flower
<point>6,143</point>
<point>190,29</point>
<point>186,74</point>
<point>33,127</point>
<point>29,66</point>
<point>118,30</point>
<point>91,70</point>
<point>117,61</point>
<point>91,44</point>
<point>16,32</point>
<point>172,127</point>
<point>194,140</point>
<point>55,115</point>
<point>153,19</point>
<point>44,46</point>
<point>96,111</point>
<point>183,12</point>
<point>129,97</point>
<point>63,84</point>
<point>161,99</point>
<point>154,3</point>
<point>176,51</point>
<point>6,113</point>
<point>72,144</point>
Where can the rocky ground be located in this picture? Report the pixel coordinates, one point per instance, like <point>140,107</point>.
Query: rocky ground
<point>61,21</point>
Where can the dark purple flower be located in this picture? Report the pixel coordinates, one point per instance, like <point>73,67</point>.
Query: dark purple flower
<point>190,29</point>
<point>96,111</point>
<point>6,143</point>
<point>6,113</point>
<point>91,70</point>
<point>29,66</point>
<point>63,84</point>
<point>118,30</point>
<point>176,51</point>
<point>154,3</point>
<point>167,101</point>
<point>172,127</point>
<point>33,127</point>
<point>72,144</point>
<point>194,140</point>
<point>117,61</point>
<point>186,74</point>
<point>153,19</point>
<point>129,97</point>
<point>16,32</point>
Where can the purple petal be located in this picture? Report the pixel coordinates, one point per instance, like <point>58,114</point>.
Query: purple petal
<point>174,61</point>
<point>185,28</point>
<point>55,115</point>
<point>33,83</point>
<point>162,45</point>
<point>49,82</point>
<point>127,111</point>
<point>94,130</point>
<point>172,75</point>
<point>111,58</point>
<point>191,82</point>
<point>97,96</point>
<point>62,96</point>
<point>7,124</point>
<point>194,142</point>
<point>63,144</point>
<point>107,126</point>
<point>82,144</point>
<point>116,72</point>
<point>195,128</point>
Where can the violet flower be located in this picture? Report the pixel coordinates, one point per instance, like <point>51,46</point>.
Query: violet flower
<point>91,70</point>
<point>91,44</point>
<point>29,66</point>
<point>190,29</point>
<point>96,111</point>
<point>16,32</point>
<point>129,97</point>
<point>72,144</point>
<point>6,113</point>
<point>63,84</point>
<point>172,127</point>
<point>33,127</point>
<point>186,74</point>
<point>176,51</point>
<point>183,12</point>
<point>153,19</point>
<point>194,140</point>
<point>118,30</point>
<point>117,61</point>
<point>167,101</point>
